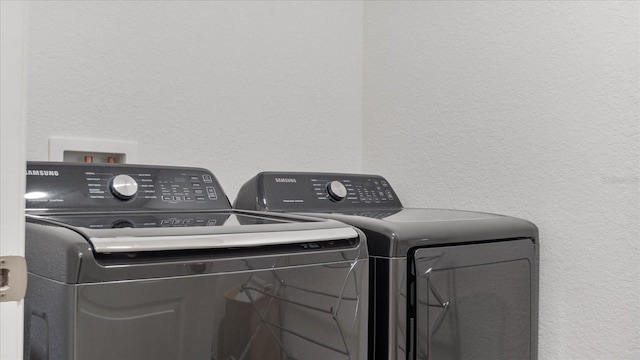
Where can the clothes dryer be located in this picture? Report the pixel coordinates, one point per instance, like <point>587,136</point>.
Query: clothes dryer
<point>444,284</point>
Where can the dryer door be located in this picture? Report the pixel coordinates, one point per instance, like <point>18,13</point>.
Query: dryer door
<point>474,302</point>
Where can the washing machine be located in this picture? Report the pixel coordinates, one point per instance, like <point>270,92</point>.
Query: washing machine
<point>444,284</point>
<point>136,262</point>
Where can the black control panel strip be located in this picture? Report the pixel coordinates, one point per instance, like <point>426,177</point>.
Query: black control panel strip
<point>295,191</point>
<point>56,186</point>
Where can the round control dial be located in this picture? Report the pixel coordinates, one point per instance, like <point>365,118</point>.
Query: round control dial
<point>336,190</point>
<point>124,187</point>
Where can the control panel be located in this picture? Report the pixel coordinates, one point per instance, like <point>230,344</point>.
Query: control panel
<point>106,187</point>
<point>150,220</point>
<point>281,191</point>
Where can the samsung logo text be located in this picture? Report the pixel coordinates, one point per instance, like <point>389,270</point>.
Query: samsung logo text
<point>285,180</point>
<point>43,173</point>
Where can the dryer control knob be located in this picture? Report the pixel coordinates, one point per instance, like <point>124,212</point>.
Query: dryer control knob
<point>337,191</point>
<point>124,187</point>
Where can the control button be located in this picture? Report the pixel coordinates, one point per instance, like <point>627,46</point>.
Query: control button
<point>187,221</point>
<point>212,193</point>
<point>207,178</point>
<point>194,178</point>
<point>384,183</point>
<point>124,187</point>
<point>336,190</point>
<point>389,194</point>
<point>177,198</point>
<point>175,222</point>
<point>200,198</point>
<point>164,222</point>
<point>314,246</point>
<point>195,185</point>
<point>167,198</point>
<point>122,224</point>
<point>188,198</point>
<point>198,191</point>
<point>212,222</point>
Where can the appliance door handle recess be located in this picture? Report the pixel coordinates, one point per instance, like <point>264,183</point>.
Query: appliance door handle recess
<point>425,267</point>
<point>216,241</point>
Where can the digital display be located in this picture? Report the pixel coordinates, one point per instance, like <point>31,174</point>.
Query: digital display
<point>180,179</point>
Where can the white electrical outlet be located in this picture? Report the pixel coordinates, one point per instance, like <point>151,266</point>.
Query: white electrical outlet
<point>96,150</point>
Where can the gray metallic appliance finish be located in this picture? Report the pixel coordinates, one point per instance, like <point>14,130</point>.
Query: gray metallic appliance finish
<point>445,284</point>
<point>461,315</point>
<point>199,308</point>
<point>180,298</point>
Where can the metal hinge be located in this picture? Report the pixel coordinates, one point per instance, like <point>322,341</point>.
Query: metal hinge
<point>13,278</point>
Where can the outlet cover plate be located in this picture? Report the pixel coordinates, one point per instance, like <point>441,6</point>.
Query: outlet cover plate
<point>72,149</point>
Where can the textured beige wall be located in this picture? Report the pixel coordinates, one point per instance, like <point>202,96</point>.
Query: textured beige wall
<point>236,87</point>
<point>526,108</point>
